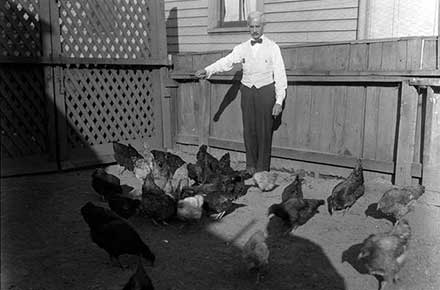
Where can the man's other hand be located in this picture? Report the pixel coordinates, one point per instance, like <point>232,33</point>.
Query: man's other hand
<point>201,73</point>
<point>276,110</point>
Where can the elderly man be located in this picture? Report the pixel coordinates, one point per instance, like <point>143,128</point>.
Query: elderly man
<point>263,90</point>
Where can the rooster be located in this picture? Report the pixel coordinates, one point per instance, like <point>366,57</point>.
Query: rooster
<point>384,254</point>
<point>399,201</point>
<point>348,191</point>
<point>114,234</point>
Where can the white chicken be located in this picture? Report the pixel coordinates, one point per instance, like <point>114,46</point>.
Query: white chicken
<point>190,208</point>
<point>265,180</point>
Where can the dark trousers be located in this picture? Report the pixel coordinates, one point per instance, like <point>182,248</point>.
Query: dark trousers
<point>256,107</point>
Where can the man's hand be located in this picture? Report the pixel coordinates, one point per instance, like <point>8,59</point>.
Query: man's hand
<point>201,73</point>
<point>276,110</point>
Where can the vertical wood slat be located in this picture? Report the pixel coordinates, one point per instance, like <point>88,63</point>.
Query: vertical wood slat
<point>431,148</point>
<point>204,99</point>
<point>46,45</point>
<point>159,30</point>
<point>406,134</point>
<point>166,111</point>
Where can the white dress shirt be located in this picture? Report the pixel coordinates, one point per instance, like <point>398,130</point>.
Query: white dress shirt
<point>262,65</point>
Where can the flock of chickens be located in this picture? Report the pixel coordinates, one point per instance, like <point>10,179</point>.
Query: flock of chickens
<point>172,189</point>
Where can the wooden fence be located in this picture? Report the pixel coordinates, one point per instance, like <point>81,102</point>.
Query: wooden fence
<point>347,100</point>
<point>76,75</point>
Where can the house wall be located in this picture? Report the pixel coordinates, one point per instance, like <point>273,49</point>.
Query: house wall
<point>287,23</point>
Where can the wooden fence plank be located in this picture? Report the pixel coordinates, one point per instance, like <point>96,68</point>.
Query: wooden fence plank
<point>358,57</point>
<point>339,105</point>
<point>354,120</point>
<point>429,60</point>
<point>406,134</point>
<point>371,122</point>
<point>375,56</point>
<point>204,100</point>
<point>386,130</point>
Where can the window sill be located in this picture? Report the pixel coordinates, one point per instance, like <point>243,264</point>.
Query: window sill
<point>227,29</point>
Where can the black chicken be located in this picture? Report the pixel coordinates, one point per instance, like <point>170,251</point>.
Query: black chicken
<point>124,206</point>
<point>384,254</point>
<point>105,184</point>
<point>114,234</point>
<point>296,211</point>
<point>294,189</point>
<point>224,165</point>
<point>348,191</point>
<point>139,280</point>
<point>155,203</point>
<point>126,156</point>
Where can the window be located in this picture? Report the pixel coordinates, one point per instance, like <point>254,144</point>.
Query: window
<point>230,15</point>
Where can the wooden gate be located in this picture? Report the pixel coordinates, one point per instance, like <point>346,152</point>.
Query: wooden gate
<point>77,75</point>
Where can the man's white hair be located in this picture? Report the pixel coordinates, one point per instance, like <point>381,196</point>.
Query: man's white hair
<point>255,15</point>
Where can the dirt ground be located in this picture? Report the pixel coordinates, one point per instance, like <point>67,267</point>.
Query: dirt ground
<point>45,243</point>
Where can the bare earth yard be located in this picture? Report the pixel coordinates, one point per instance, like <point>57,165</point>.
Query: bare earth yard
<point>45,243</point>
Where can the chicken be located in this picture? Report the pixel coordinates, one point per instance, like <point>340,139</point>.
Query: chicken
<point>294,189</point>
<point>156,204</point>
<point>224,165</point>
<point>384,254</point>
<point>265,180</point>
<point>105,184</point>
<point>208,165</point>
<point>126,156</point>
<point>173,161</point>
<point>296,211</point>
<point>256,253</point>
<point>139,280</point>
<point>124,206</point>
<point>114,234</point>
<point>348,191</point>
<point>190,208</point>
<point>180,179</point>
<point>398,201</point>
<point>161,173</point>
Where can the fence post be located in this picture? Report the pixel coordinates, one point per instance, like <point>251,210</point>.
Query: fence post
<point>46,46</point>
<point>431,148</point>
<point>406,134</point>
<point>205,106</point>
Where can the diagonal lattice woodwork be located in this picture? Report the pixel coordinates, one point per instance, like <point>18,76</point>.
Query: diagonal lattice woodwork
<point>23,110</point>
<point>105,28</point>
<point>103,105</point>
<point>20,28</point>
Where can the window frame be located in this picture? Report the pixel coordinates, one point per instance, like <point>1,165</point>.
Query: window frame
<point>214,14</point>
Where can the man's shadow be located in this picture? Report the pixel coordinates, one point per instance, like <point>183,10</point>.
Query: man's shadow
<point>231,95</point>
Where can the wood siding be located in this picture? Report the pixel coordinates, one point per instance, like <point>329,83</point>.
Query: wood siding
<point>287,22</point>
<point>345,101</point>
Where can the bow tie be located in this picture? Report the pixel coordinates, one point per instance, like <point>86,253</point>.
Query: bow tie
<point>259,40</point>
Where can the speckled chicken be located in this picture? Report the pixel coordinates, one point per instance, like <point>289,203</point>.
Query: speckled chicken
<point>124,206</point>
<point>126,155</point>
<point>172,160</point>
<point>265,180</point>
<point>296,211</point>
<point>398,201</point>
<point>105,184</point>
<point>384,254</point>
<point>180,179</point>
<point>139,280</point>
<point>348,191</point>
<point>156,204</point>
<point>114,234</point>
<point>294,189</point>
<point>256,253</point>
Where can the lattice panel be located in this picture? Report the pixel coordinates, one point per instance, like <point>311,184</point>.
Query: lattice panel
<point>24,119</point>
<point>104,105</point>
<point>20,28</point>
<point>105,28</point>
